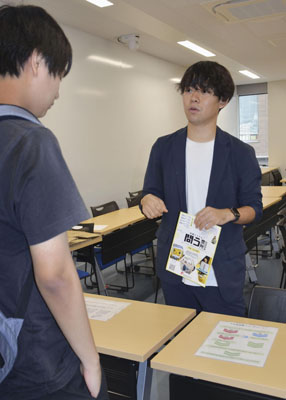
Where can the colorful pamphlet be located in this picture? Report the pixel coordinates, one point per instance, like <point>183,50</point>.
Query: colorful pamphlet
<point>192,250</point>
<point>239,343</point>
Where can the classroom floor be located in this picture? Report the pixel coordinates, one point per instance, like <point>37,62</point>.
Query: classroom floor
<point>268,273</point>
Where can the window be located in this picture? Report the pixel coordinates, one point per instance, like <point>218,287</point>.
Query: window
<point>253,120</point>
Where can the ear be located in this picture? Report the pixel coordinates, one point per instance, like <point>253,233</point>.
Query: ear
<point>35,61</point>
<point>222,104</point>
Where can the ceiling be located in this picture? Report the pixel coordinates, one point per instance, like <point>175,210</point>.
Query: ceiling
<point>244,34</point>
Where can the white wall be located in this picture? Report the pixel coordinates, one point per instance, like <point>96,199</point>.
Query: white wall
<point>107,118</point>
<point>276,124</point>
<point>228,117</point>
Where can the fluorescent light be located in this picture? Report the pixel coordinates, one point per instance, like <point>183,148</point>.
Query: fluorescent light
<point>175,80</point>
<point>196,48</point>
<point>249,74</point>
<point>109,61</point>
<point>100,3</point>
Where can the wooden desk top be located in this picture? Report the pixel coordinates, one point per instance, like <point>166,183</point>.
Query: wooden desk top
<point>179,357</point>
<point>269,201</point>
<point>266,170</point>
<point>139,330</point>
<point>273,191</point>
<point>78,239</point>
<point>117,219</point>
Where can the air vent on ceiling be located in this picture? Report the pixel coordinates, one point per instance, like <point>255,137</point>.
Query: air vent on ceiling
<point>243,10</point>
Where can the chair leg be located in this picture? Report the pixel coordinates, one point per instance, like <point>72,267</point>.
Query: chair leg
<point>157,289</point>
<point>153,259</point>
<point>283,275</point>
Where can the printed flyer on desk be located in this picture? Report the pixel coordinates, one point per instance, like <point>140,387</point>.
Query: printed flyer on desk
<point>192,250</point>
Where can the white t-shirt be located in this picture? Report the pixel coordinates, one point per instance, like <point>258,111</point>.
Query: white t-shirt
<point>199,158</point>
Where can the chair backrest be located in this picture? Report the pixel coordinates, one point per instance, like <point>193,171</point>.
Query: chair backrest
<point>133,201</point>
<point>276,177</point>
<point>87,227</point>
<point>104,208</point>
<point>267,303</point>
<point>123,241</point>
<point>135,194</point>
<point>265,179</point>
<point>269,219</point>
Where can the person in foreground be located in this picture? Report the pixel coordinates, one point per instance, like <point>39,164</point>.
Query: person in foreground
<point>206,172</point>
<point>39,202</point>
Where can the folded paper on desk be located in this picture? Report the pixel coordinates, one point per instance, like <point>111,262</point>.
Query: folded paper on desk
<point>98,228</point>
<point>103,310</point>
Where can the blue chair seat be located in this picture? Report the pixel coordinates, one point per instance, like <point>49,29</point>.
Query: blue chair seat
<point>82,274</point>
<point>141,248</point>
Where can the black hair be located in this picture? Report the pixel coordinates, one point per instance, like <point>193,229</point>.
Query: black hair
<point>208,75</point>
<point>24,29</point>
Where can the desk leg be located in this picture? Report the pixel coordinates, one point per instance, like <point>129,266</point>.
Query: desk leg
<point>100,281</point>
<point>144,381</point>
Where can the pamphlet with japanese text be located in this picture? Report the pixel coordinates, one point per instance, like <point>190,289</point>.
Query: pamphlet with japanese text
<point>239,343</point>
<point>192,250</point>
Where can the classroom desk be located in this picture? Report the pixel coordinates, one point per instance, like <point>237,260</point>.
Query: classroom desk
<point>116,219</point>
<point>270,201</point>
<point>137,332</point>
<point>179,357</point>
<point>79,239</point>
<point>273,191</point>
<point>112,221</point>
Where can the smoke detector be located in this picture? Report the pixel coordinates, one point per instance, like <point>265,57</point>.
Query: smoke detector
<point>131,40</point>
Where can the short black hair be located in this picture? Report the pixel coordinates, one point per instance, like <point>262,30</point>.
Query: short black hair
<point>24,29</point>
<point>208,75</point>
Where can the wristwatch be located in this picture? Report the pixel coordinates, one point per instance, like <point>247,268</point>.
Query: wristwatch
<point>235,213</point>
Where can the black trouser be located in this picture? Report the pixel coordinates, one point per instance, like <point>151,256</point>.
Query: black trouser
<point>76,389</point>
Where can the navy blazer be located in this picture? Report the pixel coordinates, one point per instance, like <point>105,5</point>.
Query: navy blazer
<point>234,182</point>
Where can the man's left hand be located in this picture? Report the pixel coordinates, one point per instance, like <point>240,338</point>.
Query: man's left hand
<point>209,216</point>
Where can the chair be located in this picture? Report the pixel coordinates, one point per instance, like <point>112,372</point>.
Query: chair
<point>255,233</point>
<point>86,256</point>
<point>133,201</point>
<point>265,179</point>
<point>135,194</point>
<point>281,224</point>
<point>124,241</point>
<point>267,303</point>
<point>276,177</point>
<point>144,233</point>
<point>82,274</point>
<point>113,250</point>
<point>104,208</point>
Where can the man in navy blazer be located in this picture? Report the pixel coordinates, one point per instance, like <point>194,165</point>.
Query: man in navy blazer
<point>205,171</point>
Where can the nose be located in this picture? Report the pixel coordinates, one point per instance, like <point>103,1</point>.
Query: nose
<point>195,96</point>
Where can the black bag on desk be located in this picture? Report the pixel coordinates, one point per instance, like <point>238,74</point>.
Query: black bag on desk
<point>10,329</point>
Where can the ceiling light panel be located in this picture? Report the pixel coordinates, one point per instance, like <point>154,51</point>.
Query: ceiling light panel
<point>198,49</point>
<point>249,74</point>
<point>100,3</point>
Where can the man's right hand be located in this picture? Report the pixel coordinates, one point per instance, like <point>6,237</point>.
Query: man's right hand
<point>153,206</point>
<point>92,377</point>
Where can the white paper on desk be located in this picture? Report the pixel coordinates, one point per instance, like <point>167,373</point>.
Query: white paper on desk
<point>240,343</point>
<point>97,228</point>
<point>103,310</point>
